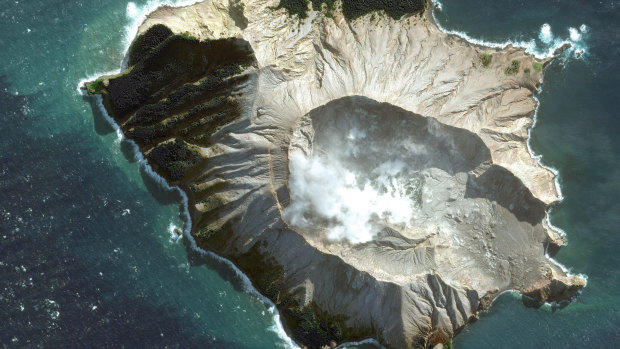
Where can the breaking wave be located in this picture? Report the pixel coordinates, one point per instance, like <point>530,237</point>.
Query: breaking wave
<point>547,44</point>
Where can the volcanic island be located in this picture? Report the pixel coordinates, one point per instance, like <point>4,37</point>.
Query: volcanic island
<point>368,172</point>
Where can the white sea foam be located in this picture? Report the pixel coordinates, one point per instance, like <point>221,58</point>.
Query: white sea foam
<point>566,270</point>
<point>172,231</point>
<point>556,181</point>
<point>138,156</point>
<point>132,9</point>
<point>510,291</point>
<point>575,35</point>
<point>537,157</point>
<point>249,288</point>
<point>279,329</point>
<point>137,15</point>
<point>545,33</point>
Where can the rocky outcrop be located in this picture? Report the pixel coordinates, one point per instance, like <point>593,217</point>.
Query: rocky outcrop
<point>221,95</point>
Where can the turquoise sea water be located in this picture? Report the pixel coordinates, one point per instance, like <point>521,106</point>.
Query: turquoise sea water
<point>87,258</point>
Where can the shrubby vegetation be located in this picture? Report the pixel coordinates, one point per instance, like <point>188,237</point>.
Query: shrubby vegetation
<point>486,59</point>
<point>177,87</point>
<point>394,8</point>
<point>295,7</point>
<point>165,68</point>
<point>208,94</point>
<point>312,327</point>
<point>353,9</point>
<point>174,159</point>
<point>149,135</point>
<point>514,68</point>
<point>168,72</point>
<point>317,5</point>
<point>147,41</point>
<point>212,202</point>
<point>189,36</point>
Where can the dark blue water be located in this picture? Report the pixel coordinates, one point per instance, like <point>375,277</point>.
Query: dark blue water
<point>86,254</point>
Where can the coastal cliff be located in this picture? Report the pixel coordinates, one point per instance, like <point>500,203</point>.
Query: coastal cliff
<point>224,96</point>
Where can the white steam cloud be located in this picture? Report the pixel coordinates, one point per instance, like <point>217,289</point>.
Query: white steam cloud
<point>353,208</point>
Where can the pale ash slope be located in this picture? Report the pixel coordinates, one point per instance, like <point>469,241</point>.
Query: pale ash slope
<point>404,286</point>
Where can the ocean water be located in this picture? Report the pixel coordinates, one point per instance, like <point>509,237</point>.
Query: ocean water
<point>87,253</point>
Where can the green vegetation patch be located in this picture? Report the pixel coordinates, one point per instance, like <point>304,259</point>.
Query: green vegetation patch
<point>189,36</point>
<point>514,68</point>
<point>177,61</point>
<point>317,5</point>
<point>98,86</point>
<point>95,87</point>
<point>214,239</point>
<point>148,135</point>
<point>194,108</point>
<point>538,67</point>
<point>486,59</point>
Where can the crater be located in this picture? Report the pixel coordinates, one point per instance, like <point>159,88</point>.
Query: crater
<point>405,193</point>
<point>359,166</point>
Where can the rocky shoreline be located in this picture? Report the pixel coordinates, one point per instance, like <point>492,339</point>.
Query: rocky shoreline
<point>220,94</point>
